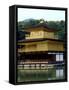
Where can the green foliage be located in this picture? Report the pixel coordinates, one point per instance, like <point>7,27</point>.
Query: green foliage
<point>58,25</point>
<point>27,23</point>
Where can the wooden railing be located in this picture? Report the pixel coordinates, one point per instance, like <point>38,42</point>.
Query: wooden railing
<point>37,65</point>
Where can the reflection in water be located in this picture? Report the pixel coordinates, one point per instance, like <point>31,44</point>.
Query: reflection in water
<point>59,73</point>
<point>49,73</point>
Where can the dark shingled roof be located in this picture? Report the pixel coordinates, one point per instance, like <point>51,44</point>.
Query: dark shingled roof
<point>37,40</point>
<point>42,25</point>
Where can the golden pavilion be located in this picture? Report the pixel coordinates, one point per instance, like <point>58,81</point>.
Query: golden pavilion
<point>40,46</point>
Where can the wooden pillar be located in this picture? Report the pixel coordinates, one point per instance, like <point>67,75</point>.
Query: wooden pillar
<point>30,66</point>
<point>23,66</point>
<point>40,65</point>
<point>35,66</point>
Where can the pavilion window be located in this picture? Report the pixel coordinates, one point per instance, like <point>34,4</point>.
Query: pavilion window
<point>59,57</point>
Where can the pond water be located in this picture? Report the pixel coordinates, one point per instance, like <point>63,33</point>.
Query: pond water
<point>49,73</point>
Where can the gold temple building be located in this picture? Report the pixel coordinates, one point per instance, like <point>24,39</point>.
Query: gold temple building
<point>41,46</point>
